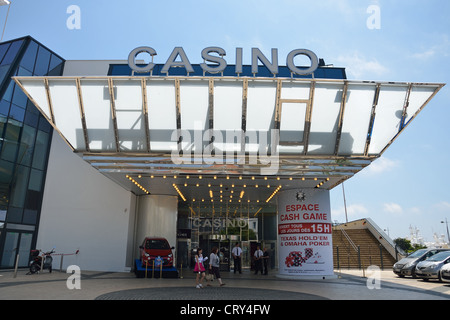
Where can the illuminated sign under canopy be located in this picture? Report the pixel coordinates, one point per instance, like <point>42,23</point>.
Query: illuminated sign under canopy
<point>214,61</point>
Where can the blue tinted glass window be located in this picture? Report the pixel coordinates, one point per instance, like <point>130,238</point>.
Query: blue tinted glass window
<point>9,91</point>
<point>36,179</point>
<point>19,98</point>
<point>43,124</point>
<point>3,120</point>
<point>40,150</point>
<point>29,216</point>
<point>29,58</point>
<point>14,215</point>
<point>4,108</point>
<point>3,72</point>
<point>26,145</point>
<point>54,62</point>
<point>42,62</point>
<point>31,119</point>
<point>3,48</point>
<point>57,71</point>
<point>32,108</point>
<point>56,65</point>
<point>20,186</point>
<point>23,72</point>
<point>12,52</point>
<point>10,141</point>
<point>16,113</point>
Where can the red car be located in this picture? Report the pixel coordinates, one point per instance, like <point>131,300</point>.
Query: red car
<point>157,250</point>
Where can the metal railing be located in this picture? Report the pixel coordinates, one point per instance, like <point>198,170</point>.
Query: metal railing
<point>352,245</point>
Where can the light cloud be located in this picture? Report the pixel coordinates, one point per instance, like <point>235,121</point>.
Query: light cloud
<point>393,208</point>
<point>443,206</point>
<point>353,211</point>
<point>358,66</point>
<point>381,165</point>
<point>439,49</point>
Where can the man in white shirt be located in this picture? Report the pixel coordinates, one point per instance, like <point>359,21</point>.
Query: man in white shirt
<point>237,252</point>
<point>258,260</point>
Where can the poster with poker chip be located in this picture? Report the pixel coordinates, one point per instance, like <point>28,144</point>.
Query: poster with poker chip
<point>304,233</point>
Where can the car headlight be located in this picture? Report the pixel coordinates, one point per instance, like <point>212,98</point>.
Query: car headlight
<point>409,265</point>
<point>434,266</point>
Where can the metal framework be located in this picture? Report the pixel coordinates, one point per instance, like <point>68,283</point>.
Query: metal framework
<point>332,152</point>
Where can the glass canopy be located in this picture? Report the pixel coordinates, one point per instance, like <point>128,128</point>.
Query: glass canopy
<point>309,128</point>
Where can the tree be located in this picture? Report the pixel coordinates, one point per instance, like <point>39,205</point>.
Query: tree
<point>406,246</point>
<point>403,244</point>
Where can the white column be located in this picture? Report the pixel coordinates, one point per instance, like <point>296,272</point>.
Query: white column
<point>156,217</point>
<point>305,248</point>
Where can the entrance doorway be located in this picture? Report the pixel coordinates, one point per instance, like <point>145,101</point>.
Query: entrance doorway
<point>206,226</point>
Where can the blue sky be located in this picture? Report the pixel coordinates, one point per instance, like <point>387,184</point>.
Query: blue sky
<point>408,186</point>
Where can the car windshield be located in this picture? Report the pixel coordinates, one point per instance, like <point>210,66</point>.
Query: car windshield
<point>439,256</point>
<point>157,244</point>
<point>417,253</point>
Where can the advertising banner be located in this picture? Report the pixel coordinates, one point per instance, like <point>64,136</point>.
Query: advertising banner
<point>304,233</point>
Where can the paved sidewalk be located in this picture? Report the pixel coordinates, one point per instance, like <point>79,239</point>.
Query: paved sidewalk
<point>348,285</point>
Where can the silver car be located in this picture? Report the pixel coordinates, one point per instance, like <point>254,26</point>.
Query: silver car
<point>407,266</point>
<point>445,272</point>
<point>431,268</point>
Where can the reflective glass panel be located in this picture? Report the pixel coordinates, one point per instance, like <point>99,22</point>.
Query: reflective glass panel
<point>12,52</point>
<point>29,57</point>
<point>40,150</point>
<point>42,62</point>
<point>26,145</point>
<point>9,255</point>
<point>20,186</point>
<point>3,48</point>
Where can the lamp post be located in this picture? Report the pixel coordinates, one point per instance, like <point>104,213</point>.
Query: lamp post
<point>448,235</point>
<point>5,3</point>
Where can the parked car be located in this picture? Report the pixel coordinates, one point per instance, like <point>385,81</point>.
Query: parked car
<point>156,250</point>
<point>407,266</point>
<point>431,268</point>
<point>445,272</point>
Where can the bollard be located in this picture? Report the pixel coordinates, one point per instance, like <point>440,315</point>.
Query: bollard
<point>153,269</point>
<point>42,262</point>
<point>146,264</point>
<point>181,275</point>
<point>61,263</point>
<point>160,270</point>
<point>16,266</point>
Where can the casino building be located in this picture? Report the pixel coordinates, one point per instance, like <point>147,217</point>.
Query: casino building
<point>97,155</point>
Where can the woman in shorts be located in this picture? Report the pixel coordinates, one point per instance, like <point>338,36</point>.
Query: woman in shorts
<point>199,268</point>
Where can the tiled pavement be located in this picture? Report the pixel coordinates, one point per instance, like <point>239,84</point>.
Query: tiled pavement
<point>347,285</point>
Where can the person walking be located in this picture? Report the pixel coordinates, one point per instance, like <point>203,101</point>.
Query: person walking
<point>237,253</point>
<point>258,259</point>
<point>199,268</point>
<point>214,264</point>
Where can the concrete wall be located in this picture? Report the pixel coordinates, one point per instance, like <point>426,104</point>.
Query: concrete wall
<point>157,217</point>
<point>82,209</point>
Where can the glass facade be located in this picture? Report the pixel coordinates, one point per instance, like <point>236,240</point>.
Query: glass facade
<point>25,137</point>
<point>206,226</point>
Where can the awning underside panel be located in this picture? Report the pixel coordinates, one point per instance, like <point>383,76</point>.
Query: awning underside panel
<point>150,116</point>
